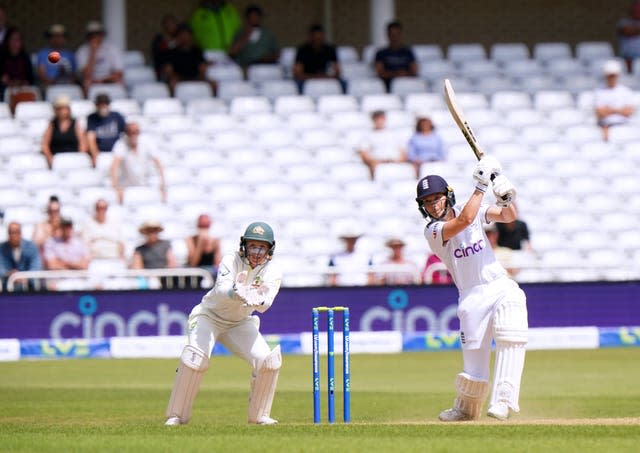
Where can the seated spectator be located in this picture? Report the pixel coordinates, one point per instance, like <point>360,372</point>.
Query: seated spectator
<point>214,24</point>
<point>16,68</point>
<point>316,59</point>
<point>514,235</point>
<point>351,266</point>
<point>397,59</point>
<point>62,72</point>
<point>164,41</point>
<point>203,248</point>
<point>63,134</point>
<point>435,272</point>
<point>254,44</point>
<point>398,270</point>
<point>185,62</point>
<point>16,255</point>
<point>614,102</point>
<point>381,145</point>
<point>98,60</point>
<point>628,34</point>
<point>154,253</point>
<point>504,255</point>
<point>425,145</point>
<point>104,127</point>
<point>51,226</point>
<point>66,251</point>
<point>103,235</point>
<point>134,159</point>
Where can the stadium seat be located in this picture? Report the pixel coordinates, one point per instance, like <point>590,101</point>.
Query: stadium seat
<point>547,100</point>
<point>276,138</point>
<point>546,51</point>
<point>157,106</point>
<point>329,104</point>
<point>126,107</point>
<point>224,72</point>
<point>198,107</point>
<point>262,121</point>
<point>230,89</point>
<point>510,100</point>
<point>305,121</point>
<point>138,74</point>
<point>590,50</point>
<point>26,111</point>
<point>70,161</point>
<point>404,86</point>
<point>246,105</point>
<point>149,90</point>
<point>427,52</point>
<point>71,90</point>
<point>315,88</point>
<point>519,68</point>
<point>187,91</point>
<point>347,54</point>
<point>113,90</point>
<point>395,172</point>
<point>524,117</point>
<point>273,89</point>
<point>168,124</point>
<point>462,52</point>
<point>433,70</point>
<point>369,53</point>
<point>360,87</point>
<point>490,85</point>
<point>216,122</point>
<point>504,52</point>
<point>133,58</point>
<point>372,102</point>
<point>564,67</point>
<point>287,105</point>
<point>260,73</point>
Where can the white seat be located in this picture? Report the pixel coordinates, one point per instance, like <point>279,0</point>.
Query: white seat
<point>356,70</point>
<point>303,172</point>
<point>564,67</point>
<point>578,82</point>
<point>275,138</point>
<point>315,88</point>
<point>8,128</point>
<point>524,117</point>
<point>82,108</point>
<point>503,52</point>
<point>153,107</point>
<point>16,145</point>
<point>5,112</point>
<point>287,105</point>
<point>478,69</point>
<point>224,72</point>
<point>550,151</point>
<point>493,84</point>
<point>424,102</point>
<point>216,122</point>
<point>331,155</point>
<point>552,100</point>
<point>400,119</point>
<point>369,53</point>
<point>469,101</point>
<point>348,172</point>
<point>168,124</point>
<point>35,179</point>
<point>531,84</point>
<point>581,133</point>
<point>545,51</point>
<point>260,73</point>
<point>365,86</point>
<point>535,134</point>
<point>70,161</point>
<point>230,89</point>
<point>332,208</point>
<point>26,111</point>
<point>149,90</point>
<point>14,197</point>
<point>177,175</point>
<point>218,57</point>
<point>316,138</point>
<point>345,121</point>
<point>427,52</point>
<point>286,209</point>
<point>262,121</point>
<point>372,102</point>
<point>329,104</point>
<point>287,58</point>
<point>395,172</point>
<point>198,107</point>
<point>404,86</point>
<point>590,50</point>
<point>138,74</point>
<point>80,178</point>
<point>347,54</point>
<point>510,100</point>
<point>564,117</point>
<point>317,190</point>
<point>567,168</point>
<point>494,134</point>
<point>24,215</point>
<point>186,140</point>
<point>246,105</point>
<point>126,107</point>
<point>113,90</point>
<point>306,120</point>
<point>73,91</point>
<point>230,139</point>
<point>273,190</point>
<point>289,155</point>
<point>186,91</point>
<point>433,70</point>
<point>624,133</point>
<point>459,52</point>
<point>273,89</point>
<point>133,58</point>
<point>140,195</point>
<point>519,67</point>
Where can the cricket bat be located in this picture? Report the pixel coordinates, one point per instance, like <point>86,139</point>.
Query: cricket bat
<point>459,118</point>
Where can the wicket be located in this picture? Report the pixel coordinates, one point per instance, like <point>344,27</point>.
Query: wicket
<point>346,366</point>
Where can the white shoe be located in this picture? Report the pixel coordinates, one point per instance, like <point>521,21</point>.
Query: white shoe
<point>453,415</point>
<point>266,420</point>
<point>499,410</point>
<point>173,421</point>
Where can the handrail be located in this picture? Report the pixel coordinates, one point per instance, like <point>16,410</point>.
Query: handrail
<point>182,273</point>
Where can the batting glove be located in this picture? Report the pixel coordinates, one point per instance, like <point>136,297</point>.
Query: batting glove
<point>504,191</point>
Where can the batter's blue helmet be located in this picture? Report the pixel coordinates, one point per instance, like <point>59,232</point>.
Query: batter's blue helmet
<point>433,184</point>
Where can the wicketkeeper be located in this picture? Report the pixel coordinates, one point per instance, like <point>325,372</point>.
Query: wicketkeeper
<point>491,306</point>
<point>247,281</point>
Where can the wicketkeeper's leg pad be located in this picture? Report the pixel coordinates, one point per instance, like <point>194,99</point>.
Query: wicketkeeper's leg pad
<point>193,364</point>
<point>471,395</point>
<point>263,386</point>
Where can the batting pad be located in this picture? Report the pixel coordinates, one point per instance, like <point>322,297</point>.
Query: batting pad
<point>507,374</point>
<point>193,364</point>
<point>510,322</point>
<point>263,386</point>
<point>471,395</point>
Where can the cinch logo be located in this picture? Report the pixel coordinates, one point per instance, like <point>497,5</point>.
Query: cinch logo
<point>109,324</point>
<point>472,249</point>
<point>398,317</point>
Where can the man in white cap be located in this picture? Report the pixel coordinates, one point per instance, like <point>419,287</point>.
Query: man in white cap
<point>613,103</point>
<point>351,265</point>
<point>98,60</point>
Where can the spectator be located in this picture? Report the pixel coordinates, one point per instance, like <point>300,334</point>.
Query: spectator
<point>628,33</point>
<point>425,145</point>
<point>185,62</point>
<point>98,60</point>
<point>103,235</point>
<point>435,272</point>
<point>316,59</point>
<point>133,158</point>
<point>351,266</point>
<point>62,72</point>
<point>67,251</point>
<point>254,44</point>
<point>104,127</point>
<point>381,145</point>
<point>51,226</point>
<point>16,69</point>
<point>514,235</point>
<point>613,103</point>
<point>63,134</point>
<point>3,24</point>
<point>397,59</point>
<point>17,255</point>
<point>214,24</point>
<point>398,270</point>
<point>503,254</point>
<point>164,41</point>
<point>154,253</point>
<point>203,248</point>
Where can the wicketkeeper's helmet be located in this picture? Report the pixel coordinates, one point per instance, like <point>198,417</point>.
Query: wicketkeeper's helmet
<point>258,231</point>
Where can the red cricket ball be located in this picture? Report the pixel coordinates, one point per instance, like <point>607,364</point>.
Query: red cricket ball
<point>54,57</point>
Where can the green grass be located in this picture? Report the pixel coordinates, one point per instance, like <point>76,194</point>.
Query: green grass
<point>572,401</point>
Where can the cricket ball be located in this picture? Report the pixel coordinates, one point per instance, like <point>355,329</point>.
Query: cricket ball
<point>54,57</point>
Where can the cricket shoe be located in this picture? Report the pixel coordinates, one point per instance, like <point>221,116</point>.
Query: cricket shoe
<point>453,415</point>
<point>173,421</point>
<point>499,410</point>
<point>266,420</point>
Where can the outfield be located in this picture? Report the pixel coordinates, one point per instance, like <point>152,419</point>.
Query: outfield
<point>582,401</point>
